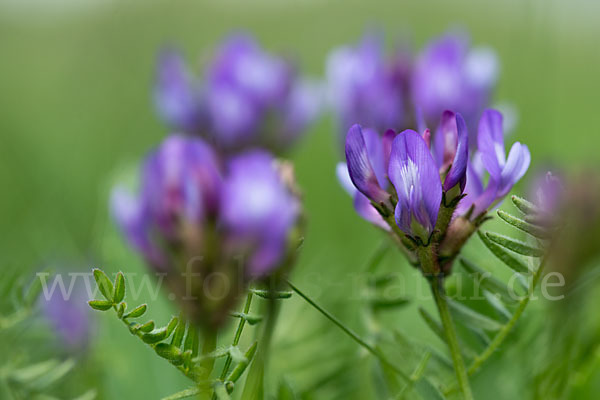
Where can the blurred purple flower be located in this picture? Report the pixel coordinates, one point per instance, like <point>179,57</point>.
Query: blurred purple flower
<point>258,211</point>
<point>248,98</point>
<point>364,87</point>
<point>69,316</point>
<point>449,75</point>
<point>176,93</point>
<point>547,192</point>
<point>491,157</point>
<point>416,177</point>
<point>181,187</point>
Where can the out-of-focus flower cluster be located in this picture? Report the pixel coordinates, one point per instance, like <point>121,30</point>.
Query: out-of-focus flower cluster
<point>215,208</point>
<point>380,93</point>
<point>246,97</point>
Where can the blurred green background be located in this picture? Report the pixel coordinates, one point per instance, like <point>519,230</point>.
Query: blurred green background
<point>75,109</point>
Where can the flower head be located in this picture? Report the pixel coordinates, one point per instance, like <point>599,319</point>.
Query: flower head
<point>247,97</point>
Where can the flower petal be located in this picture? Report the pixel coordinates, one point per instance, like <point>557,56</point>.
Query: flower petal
<point>490,142</point>
<point>359,165</point>
<point>517,163</point>
<point>365,209</point>
<point>457,173</point>
<point>416,179</point>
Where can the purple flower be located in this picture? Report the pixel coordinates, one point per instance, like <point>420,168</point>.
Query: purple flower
<point>547,192</point>
<point>68,314</point>
<point>364,87</point>
<point>451,150</point>
<point>258,211</point>
<point>176,93</point>
<point>415,176</point>
<point>491,157</point>
<point>247,98</point>
<point>180,189</point>
<point>448,75</point>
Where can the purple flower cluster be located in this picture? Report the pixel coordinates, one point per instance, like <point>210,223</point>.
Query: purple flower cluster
<point>416,176</point>
<point>380,94</point>
<point>191,203</point>
<point>247,97</point>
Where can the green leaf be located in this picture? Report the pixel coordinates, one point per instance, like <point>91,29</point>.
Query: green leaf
<point>221,391</point>
<point>497,305</point>
<point>434,325</point>
<point>472,318</point>
<point>136,312</point>
<point>526,207</point>
<point>100,305</point>
<point>169,352</point>
<point>191,339</point>
<point>172,325</point>
<point>119,290</point>
<point>33,291</point>
<point>515,245</point>
<point>272,294</point>
<point>427,390</point>
<point>155,336</point>
<point>52,376</point>
<point>487,281</point>
<point>179,333</point>
<point>250,318</point>
<point>525,226</point>
<point>147,327</point>
<point>104,284</point>
<point>382,303</point>
<point>184,394</point>
<point>241,366</point>
<point>506,258</point>
<point>121,309</point>
<point>31,372</point>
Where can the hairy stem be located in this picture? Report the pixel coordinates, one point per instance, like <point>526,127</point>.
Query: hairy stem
<point>437,289</point>
<point>350,333</point>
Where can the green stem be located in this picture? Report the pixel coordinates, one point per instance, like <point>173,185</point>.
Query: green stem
<point>207,364</point>
<point>350,333</point>
<point>238,335</point>
<point>437,289</point>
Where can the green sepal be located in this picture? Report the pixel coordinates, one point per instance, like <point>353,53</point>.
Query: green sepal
<point>104,284</point>
<point>136,312</point>
<point>119,290</point>
<point>100,305</point>
<point>515,245</point>
<point>503,256</point>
